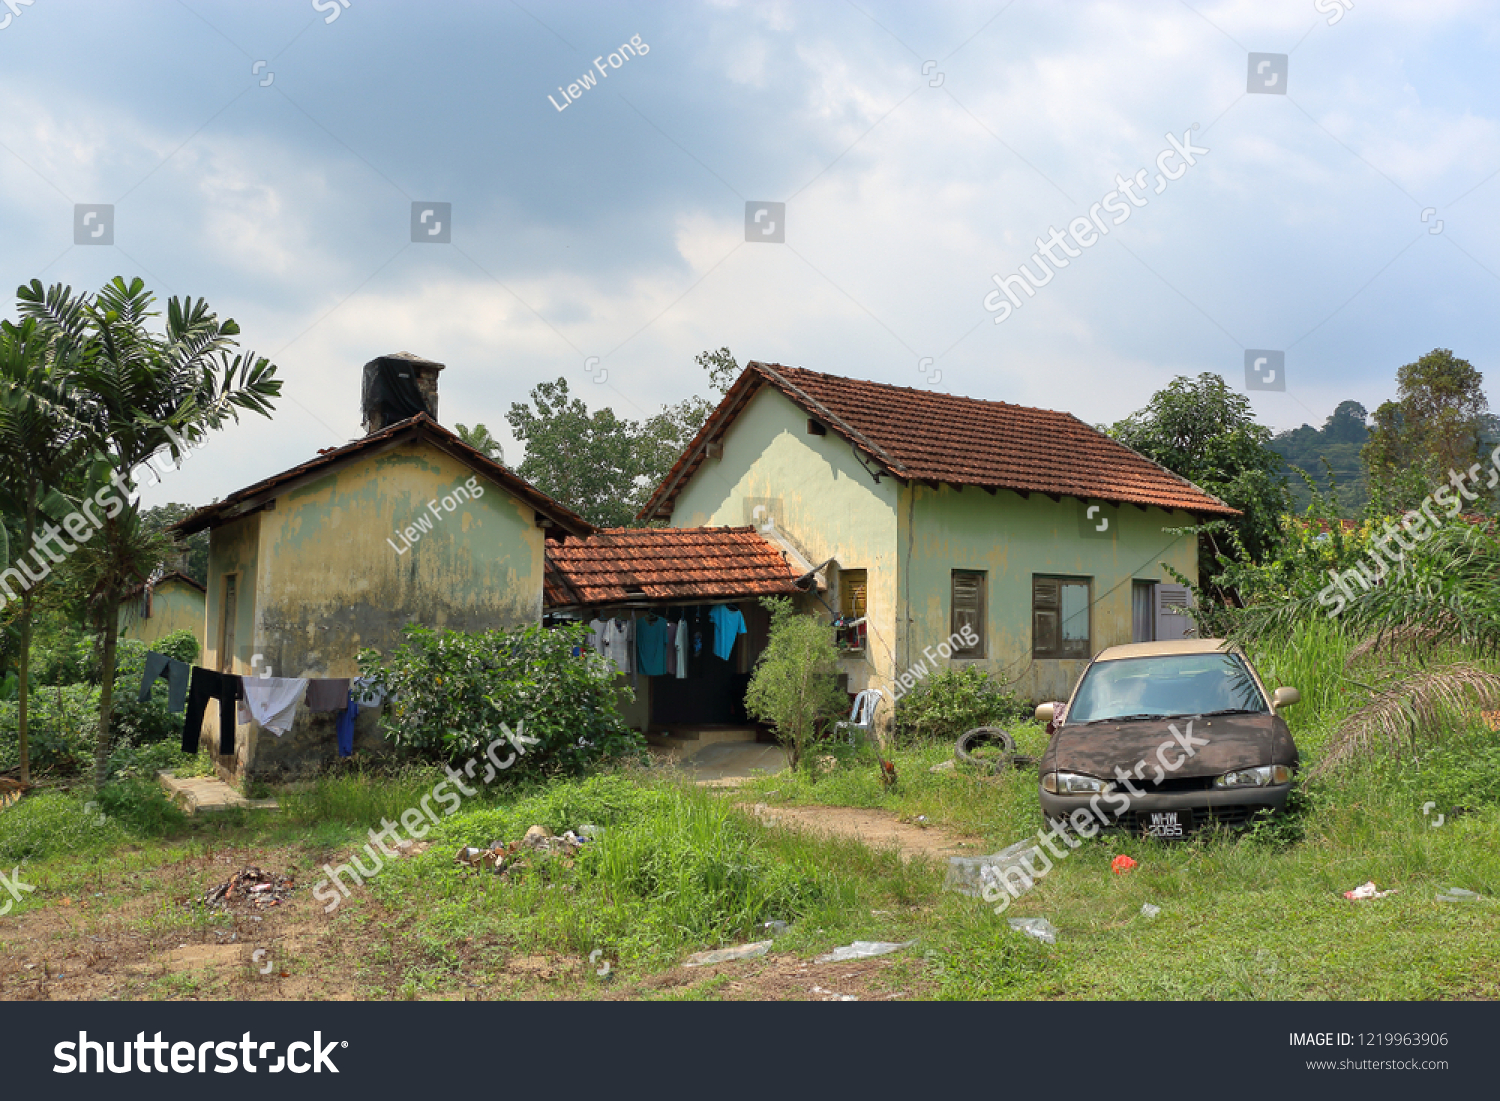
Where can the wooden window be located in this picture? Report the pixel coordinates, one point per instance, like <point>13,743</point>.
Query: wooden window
<point>967,620</point>
<point>853,589</point>
<point>1060,617</point>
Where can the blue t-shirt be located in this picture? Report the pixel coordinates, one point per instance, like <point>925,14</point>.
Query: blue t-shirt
<point>651,646</point>
<point>728,625</point>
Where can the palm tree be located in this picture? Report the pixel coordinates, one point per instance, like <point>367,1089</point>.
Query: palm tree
<point>39,452</point>
<point>137,393</point>
<point>480,440</point>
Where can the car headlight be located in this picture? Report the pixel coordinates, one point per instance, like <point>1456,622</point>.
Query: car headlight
<point>1071,783</point>
<point>1254,777</point>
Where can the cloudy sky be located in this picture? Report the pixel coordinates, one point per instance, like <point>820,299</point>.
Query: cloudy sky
<point>267,156</point>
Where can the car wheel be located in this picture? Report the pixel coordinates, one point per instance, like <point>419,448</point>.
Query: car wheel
<point>987,748</point>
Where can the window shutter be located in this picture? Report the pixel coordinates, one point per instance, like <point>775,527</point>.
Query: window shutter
<point>1172,619</point>
<point>968,610</point>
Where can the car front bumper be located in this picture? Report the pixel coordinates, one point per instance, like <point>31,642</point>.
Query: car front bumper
<point>1232,808</point>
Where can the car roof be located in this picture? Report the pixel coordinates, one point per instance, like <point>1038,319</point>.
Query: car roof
<point>1163,649</point>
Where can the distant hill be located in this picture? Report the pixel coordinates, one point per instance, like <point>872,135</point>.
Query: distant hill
<point>1338,442</point>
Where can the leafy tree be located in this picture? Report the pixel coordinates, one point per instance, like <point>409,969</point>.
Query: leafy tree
<point>135,393</point>
<point>795,683</point>
<point>1332,452</point>
<point>721,367</point>
<point>480,440</point>
<point>1205,432</point>
<point>590,461</point>
<point>602,466</point>
<point>1436,424</point>
<point>39,452</point>
<point>192,555</point>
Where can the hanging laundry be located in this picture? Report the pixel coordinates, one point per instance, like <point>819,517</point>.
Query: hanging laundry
<point>330,694</point>
<point>178,673</point>
<point>671,669</point>
<point>203,686</point>
<point>273,701</point>
<point>366,693</point>
<point>680,646</point>
<point>700,641</point>
<point>651,646</point>
<point>597,628</point>
<point>729,624</point>
<point>619,637</point>
<point>344,726</point>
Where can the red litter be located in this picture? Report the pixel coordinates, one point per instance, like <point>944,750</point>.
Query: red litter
<point>1121,864</point>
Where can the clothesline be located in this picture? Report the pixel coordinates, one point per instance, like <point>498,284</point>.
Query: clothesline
<point>655,645</point>
<point>272,702</point>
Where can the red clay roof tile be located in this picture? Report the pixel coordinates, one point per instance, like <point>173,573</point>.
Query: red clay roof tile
<point>921,435</point>
<point>664,564</point>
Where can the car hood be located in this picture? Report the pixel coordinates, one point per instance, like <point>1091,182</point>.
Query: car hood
<point>1234,741</point>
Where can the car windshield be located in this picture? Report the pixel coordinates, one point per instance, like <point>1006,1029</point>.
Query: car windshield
<point>1171,684</point>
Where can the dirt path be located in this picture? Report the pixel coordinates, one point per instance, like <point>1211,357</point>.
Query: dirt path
<point>875,828</point>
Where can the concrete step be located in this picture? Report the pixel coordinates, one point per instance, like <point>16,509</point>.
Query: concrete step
<point>208,794</point>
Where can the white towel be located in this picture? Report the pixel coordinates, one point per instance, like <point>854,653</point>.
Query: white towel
<point>273,700</point>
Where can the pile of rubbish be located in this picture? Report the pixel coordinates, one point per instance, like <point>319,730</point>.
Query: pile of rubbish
<point>501,858</point>
<point>250,887</point>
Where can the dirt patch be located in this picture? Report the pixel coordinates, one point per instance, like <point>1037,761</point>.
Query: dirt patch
<point>875,828</point>
<point>776,978</point>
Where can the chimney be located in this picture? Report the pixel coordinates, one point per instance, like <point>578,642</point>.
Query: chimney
<point>397,387</point>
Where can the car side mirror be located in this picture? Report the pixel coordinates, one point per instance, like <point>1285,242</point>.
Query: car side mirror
<point>1284,697</point>
<point>1044,712</point>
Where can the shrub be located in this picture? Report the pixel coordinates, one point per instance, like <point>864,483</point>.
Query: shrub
<point>794,686</point>
<point>952,701</point>
<point>450,691</point>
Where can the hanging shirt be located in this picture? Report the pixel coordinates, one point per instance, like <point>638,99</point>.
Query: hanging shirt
<point>729,624</point>
<point>651,646</point>
<point>680,645</point>
<point>328,694</point>
<point>618,637</point>
<point>597,628</point>
<point>671,649</point>
<point>273,700</point>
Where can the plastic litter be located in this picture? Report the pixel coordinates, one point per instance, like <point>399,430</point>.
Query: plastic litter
<point>1458,894</point>
<point>725,955</point>
<point>1149,910</point>
<point>1122,864</point>
<point>970,875</point>
<point>1368,890</point>
<point>775,928</point>
<point>864,950</point>
<point>589,832</point>
<point>1040,928</point>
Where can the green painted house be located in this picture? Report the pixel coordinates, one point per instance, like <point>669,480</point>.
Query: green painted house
<point>952,531</point>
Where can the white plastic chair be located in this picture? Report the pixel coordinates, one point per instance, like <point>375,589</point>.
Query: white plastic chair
<point>861,719</point>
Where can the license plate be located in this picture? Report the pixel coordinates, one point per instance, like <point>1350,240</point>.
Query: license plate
<point>1168,825</point>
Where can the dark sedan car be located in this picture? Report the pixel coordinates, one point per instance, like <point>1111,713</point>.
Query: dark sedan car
<point>1162,738</point>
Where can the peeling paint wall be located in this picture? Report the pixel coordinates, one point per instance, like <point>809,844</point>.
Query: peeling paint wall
<point>345,562</point>
<point>1012,538</point>
<point>339,571</point>
<point>175,606</point>
<point>821,497</point>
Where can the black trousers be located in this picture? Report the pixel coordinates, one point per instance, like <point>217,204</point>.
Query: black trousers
<point>204,686</point>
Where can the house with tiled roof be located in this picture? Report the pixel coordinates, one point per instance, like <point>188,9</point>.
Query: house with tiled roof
<point>635,575</point>
<point>407,523</point>
<point>953,530</point>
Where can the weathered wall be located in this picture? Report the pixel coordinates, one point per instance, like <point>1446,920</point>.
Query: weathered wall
<point>334,576</point>
<point>175,606</point>
<point>233,551</point>
<point>821,497</point>
<point>1012,538</point>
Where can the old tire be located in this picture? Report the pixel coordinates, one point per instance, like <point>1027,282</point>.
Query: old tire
<point>982,735</point>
